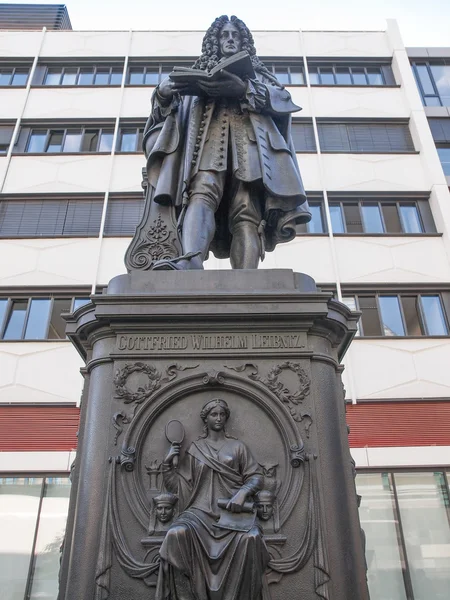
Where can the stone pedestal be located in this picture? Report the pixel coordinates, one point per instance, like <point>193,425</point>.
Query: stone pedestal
<point>158,345</point>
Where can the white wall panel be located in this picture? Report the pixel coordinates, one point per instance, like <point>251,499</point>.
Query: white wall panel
<point>17,44</point>
<point>72,103</point>
<point>278,43</point>
<point>309,168</point>
<point>85,43</point>
<point>3,163</point>
<point>359,102</point>
<point>36,461</point>
<point>346,43</point>
<point>300,97</point>
<point>136,101</point>
<point>111,259</point>
<point>307,254</point>
<point>48,262</point>
<point>166,44</point>
<point>127,173</point>
<point>401,368</point>
<point>40,372</point>
<point>392,259</point>
<point>58,173</point>
<point>375,172</point>
<point>11,102</point>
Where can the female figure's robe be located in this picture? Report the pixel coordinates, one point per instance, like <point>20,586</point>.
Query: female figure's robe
<point>200,561</point>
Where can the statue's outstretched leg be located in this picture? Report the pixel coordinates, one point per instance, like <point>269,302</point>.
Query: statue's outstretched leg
<point>245,246</point>
<point>199,226</point>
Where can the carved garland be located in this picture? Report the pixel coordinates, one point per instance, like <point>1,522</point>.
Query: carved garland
<point>143,392</point>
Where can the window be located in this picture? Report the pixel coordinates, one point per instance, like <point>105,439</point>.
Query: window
<point>14,76</point>
<point>405,518</point>
<point>66,140</point>
<point>433,81</point>
<point>398,315</point>
<point>374,137</point>
<point>123,216</point>
<point>316,225</point>
<point>6,132</point>
<point>153,73</point>
<point>444,157</point>
<point>36,318</point>
<point>100,75</point>
<point>33,513</point>
<point>381,216</point>
<point>303,136</point>
<point>350,74</point>
<point>50,218</point>
<point>287,73</point>
<point>130,139</point>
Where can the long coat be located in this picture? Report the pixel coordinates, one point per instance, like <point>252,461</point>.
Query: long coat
<point>197,133</point>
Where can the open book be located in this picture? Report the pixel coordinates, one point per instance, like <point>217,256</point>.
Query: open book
<point>239,64</point>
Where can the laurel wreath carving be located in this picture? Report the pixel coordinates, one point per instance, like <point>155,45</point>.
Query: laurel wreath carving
<point>143,392</point>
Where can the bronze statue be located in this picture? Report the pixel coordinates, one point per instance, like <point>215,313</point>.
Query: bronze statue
<point>220,154</point>
<point>200,557</point>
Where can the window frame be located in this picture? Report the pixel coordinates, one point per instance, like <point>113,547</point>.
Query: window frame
<point>317,65</point>
<point>67,129</point>
<point>272,64</point>
<point>78,67</point>
<point>139,134</point>
<point>428,63</point>
<point>399,294</point>
<point>29,299</point>
<point>15,68</point>
<point>157,67</point>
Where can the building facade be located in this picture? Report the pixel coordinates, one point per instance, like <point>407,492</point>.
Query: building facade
<point>373,144</point>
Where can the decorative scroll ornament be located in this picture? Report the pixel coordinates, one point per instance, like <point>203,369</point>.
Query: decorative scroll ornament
<point>119,419</point>
<point>127,458</point>
<point>157,243</point>
<point>283,393</point>
<point>213,377</point>
<point>143,392</point>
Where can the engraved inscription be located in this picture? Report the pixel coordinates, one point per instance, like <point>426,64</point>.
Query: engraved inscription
<point>203,342</point>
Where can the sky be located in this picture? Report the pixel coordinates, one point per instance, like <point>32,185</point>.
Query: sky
<point>422,22</point>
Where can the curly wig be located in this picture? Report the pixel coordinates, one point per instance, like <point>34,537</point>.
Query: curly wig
<point>210,55</point>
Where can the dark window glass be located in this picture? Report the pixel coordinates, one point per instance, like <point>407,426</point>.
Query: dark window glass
<point>433,316</point>
<point>165,72</point>
<point>326,76</point>
<point>343,76</point>
<point>374,76</point>
<point>123,216</point>
<point>3,307</point>
<point>16,321</point>
<point>57,328</point>
<point>391,316</point>
<point>20,77</point>
<point>69,77</point>
<point>37,320</point>
<point>36,142</point>
<point>83,217</point>
<point>316,223</point>
<point>365,137</point>
<point>77,302</point>
<point>136,76</point>
<point>359,76</point>
<point>372,218</point>
<point>106,140</point>
<point>297,76</point>
<point>337,222</point>
<point>409,215</point>
<point>444,156</point>
<point>303,137</point>
<point>425,79</point>
<point>441,75</point>
<point>53,77</point>
<point>391,219</point>
<point>5,76</point>
<point>432,101</point>
<point>55,141</point>
<point>86,76</point>
<point>369,318</point>
<point>102,76</point>
<point>282,74</point>
<point>411,314</point>
<point>353,218</point>
<point>116,76</point>
<point>313,76</point>
<point>128,140</point>
<point>90,140</point>
<point>151,77</point>
<point>72,141</point>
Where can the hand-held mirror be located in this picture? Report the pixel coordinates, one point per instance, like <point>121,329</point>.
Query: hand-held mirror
<point>175,435</point>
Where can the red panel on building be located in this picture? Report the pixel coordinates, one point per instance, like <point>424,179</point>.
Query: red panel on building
<point>38,428</point>
<point>382,424</point>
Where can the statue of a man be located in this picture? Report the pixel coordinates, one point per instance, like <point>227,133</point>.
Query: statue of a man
<point>222,156</point>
